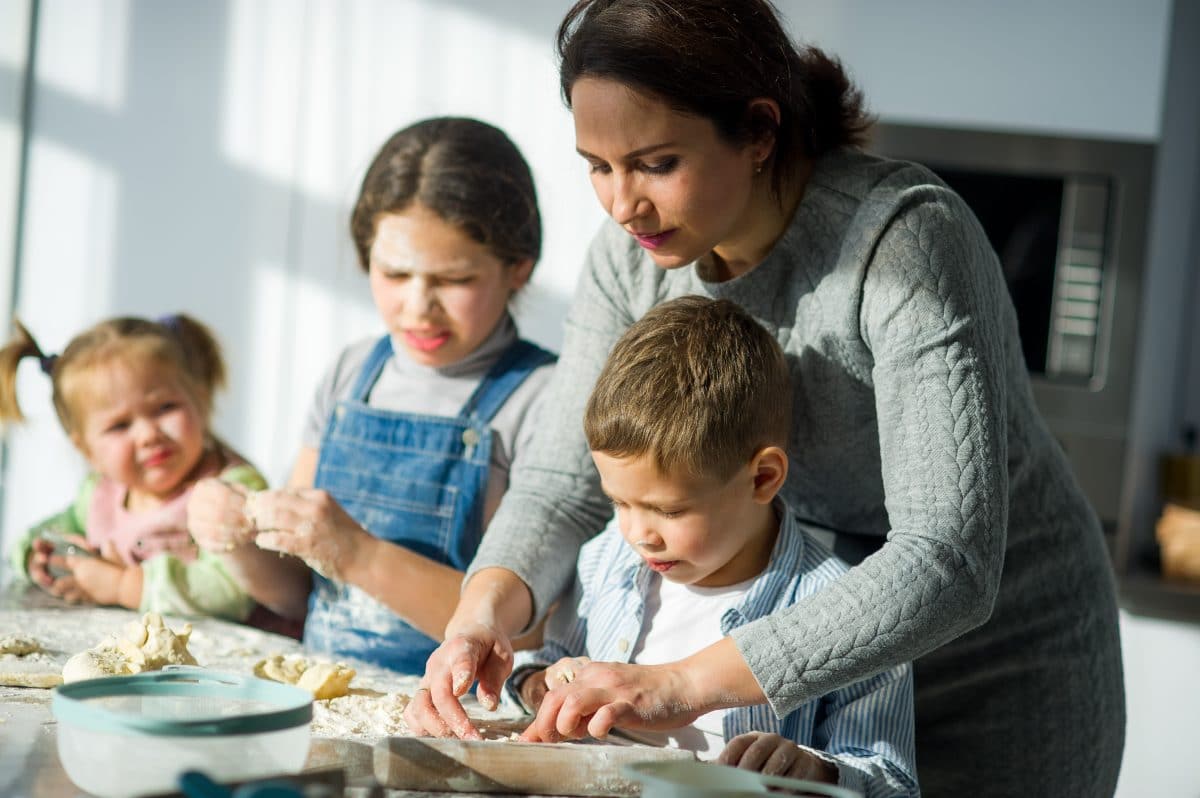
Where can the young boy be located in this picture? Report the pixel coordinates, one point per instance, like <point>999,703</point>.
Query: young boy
<point>687,426</point>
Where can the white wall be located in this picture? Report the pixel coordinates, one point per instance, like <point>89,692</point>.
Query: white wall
<point>203,156</point>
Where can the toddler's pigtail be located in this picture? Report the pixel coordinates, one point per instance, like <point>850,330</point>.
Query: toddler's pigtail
<point>201,351</point>
<point>21,345</point>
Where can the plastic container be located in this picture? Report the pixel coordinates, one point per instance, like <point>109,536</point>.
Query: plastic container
<point>706,780</point>
<point>134,735</point>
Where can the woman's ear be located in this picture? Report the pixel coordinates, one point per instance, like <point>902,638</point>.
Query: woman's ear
<point>763,117</point>
<point>518,274</point>
<point>769,467</point>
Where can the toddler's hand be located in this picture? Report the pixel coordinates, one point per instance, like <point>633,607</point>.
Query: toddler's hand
<point>37,563</point>
<point>773,755</point>
<point>311,525</point>
<point>88,579</point>
<point>217,517</point>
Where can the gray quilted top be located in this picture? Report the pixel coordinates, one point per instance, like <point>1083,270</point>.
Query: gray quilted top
<point>913,419</point>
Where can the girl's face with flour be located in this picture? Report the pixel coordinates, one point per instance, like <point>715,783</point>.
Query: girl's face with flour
<point>137,425</point>
<point>440,292</point>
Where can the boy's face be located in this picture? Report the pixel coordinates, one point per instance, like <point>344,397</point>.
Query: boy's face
<point>695,530</point>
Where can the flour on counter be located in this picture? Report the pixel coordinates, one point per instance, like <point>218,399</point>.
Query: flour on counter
<point>364,714</point>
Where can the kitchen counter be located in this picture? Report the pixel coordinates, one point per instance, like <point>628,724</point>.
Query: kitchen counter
<point>29,764</point>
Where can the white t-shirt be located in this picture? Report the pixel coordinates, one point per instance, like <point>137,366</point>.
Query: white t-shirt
<point>679,621</point>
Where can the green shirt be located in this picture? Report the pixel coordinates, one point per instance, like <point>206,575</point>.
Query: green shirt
<point>169,585</point>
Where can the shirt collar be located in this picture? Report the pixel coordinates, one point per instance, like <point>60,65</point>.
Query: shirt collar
<point>762,597</point>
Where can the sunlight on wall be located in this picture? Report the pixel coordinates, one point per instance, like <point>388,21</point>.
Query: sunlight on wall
<point>68,191</point>
<point>68,291</point>
<point>372,67</point>
<point>265,46</point>
<point>295,317</point>
<point>83,49</point>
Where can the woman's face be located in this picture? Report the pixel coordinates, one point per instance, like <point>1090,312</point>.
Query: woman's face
<point>439,291</point>
<point>667,177</point>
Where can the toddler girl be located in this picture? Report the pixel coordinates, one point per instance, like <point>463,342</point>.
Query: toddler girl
<point>135,397</point>
<point>408,445</point>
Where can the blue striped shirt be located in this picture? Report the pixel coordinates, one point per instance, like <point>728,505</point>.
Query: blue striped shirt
<point>865,729</point>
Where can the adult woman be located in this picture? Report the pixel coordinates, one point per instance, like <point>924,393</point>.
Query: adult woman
<point>726,159</point>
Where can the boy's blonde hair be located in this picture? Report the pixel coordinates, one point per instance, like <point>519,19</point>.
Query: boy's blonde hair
<point>174,342</point>
<point>697,384</point>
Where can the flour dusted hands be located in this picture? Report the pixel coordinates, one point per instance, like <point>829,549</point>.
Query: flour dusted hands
<point>538,683</point>
<point>604,695</point>
<point>774,755</point>
<point>216,513</point>
<point>471,651</point>
<point>311,525</point>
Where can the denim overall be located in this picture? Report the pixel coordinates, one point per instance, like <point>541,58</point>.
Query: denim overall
<point>416,480</point>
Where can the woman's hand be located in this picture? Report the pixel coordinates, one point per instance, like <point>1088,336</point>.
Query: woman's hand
<point>538,683</point>
<point>773,755</point>
<point>604,695</point>
<point>470,652</point>
<point>216,513</point>
<point>311,525</point>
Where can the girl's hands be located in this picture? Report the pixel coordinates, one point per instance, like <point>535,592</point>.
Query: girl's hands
<point>773,755</point>
<point>216,513</point>
<point>603,695</point>
<point>311,525</point>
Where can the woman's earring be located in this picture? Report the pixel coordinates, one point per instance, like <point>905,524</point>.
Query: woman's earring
<point>758,168</point>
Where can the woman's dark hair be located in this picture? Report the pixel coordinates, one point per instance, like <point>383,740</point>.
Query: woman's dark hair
<point>710,58</point>
<point>467,172</point>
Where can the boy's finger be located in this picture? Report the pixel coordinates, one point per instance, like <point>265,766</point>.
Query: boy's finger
<point>732,754</point>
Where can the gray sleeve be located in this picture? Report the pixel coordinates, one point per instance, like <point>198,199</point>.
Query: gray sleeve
<point>931,313</point>
<point>334,385</point>
<point>554,503</point>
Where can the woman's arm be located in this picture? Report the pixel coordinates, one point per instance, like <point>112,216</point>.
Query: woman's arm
<point>553,505</point>
<point>937,319</point>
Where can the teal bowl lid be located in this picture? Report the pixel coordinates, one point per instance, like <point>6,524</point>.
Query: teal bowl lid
<point>182,702</point>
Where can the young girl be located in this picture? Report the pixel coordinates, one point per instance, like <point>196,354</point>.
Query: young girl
<point>135,397</point>
<point>409,442</point>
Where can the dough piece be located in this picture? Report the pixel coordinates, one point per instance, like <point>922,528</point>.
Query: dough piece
<point>324,680</point>
<point>146,645</point>
<point>279,668</point>
<point>19,645</point>
<point>327,680</point>
<point>43,679</point>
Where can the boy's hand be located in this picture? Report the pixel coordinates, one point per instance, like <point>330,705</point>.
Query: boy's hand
<point>217,518</point>
<point>773,755</point>
<point>534,689</point>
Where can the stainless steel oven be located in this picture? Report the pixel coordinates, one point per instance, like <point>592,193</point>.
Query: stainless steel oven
<point>1068,220</point>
